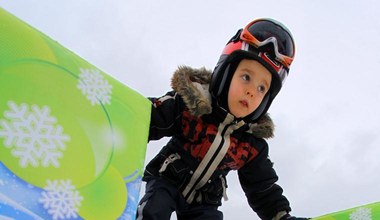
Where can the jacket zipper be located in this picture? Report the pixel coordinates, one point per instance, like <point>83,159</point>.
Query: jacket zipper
<point>193,188</point>
<point>207,166</point>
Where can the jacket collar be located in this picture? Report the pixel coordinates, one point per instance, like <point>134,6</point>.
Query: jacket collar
<point>192,85</point>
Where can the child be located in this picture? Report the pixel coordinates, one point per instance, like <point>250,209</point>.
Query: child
<point>218,123</point>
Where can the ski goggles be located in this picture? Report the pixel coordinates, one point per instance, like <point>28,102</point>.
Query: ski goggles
<point>274,37</point>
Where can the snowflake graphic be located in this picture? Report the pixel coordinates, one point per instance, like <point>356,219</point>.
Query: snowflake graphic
<point>61,199</point>
<point>361,214</point>
<point>33,135</point>
<point>94,86</point>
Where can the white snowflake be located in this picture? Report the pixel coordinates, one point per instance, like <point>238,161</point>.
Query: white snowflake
<point>33,135</point>
<point>61,199</point>
<point>94,86</point>
<point>361,214</point>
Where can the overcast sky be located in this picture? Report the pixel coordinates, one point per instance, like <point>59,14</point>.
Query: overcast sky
<point>327,145</point>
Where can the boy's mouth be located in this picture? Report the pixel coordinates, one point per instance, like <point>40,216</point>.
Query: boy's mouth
<point>244,103</point>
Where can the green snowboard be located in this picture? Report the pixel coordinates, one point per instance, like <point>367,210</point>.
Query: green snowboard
<point>365,212</point>
<point>72,138</point>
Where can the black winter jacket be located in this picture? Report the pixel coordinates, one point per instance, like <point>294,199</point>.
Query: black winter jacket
<point>196,126</point>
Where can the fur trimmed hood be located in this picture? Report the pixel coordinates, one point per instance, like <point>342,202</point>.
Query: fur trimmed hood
<point>192,85</point>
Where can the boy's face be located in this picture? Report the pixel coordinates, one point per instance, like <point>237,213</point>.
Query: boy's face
<point>249,84</point>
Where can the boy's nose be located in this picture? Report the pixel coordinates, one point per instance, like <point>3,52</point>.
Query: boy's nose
<point>250,94</point>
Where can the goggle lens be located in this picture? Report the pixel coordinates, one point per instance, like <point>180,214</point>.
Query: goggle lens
<point>260,33</point>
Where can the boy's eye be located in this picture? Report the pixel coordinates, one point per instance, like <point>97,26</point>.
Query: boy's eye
<point>246,77</point>
<point>261,89</point>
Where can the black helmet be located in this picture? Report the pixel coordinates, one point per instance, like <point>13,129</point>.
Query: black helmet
<point>264,40</point>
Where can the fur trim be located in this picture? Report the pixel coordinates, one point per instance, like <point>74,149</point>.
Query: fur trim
<point>264,128</point>
<point>192,85</point>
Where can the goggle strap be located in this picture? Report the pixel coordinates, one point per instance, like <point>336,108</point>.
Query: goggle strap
<point>243,45</point>
<point>236,37</point>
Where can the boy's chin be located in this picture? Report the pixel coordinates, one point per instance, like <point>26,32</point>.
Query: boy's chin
<point>240,116</point>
